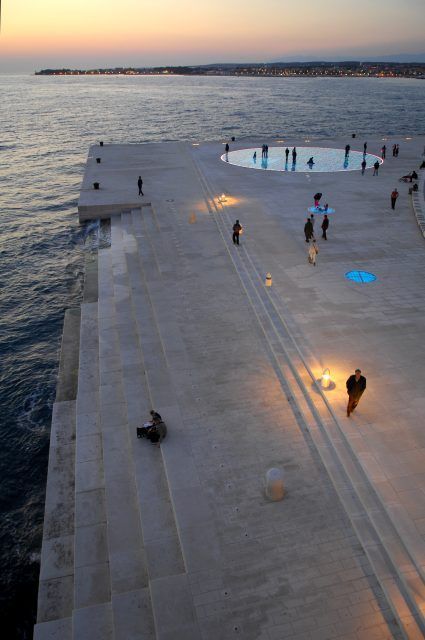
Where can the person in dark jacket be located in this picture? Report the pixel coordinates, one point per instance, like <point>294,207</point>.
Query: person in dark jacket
<point>140,185</point>
<point>356,384</point>
<point>237,228</point>
<point>325,225</point>
<point>316,198</point>
<point>308,230</point>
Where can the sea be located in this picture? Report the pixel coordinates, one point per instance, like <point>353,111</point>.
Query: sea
<point>47,124</point>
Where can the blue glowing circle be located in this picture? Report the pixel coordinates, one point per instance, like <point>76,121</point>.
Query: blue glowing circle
<point>360,276</point>
<point>325,159</point>
<point>319,211</point>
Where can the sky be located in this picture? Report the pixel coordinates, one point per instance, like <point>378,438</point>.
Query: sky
<point>38,34</point>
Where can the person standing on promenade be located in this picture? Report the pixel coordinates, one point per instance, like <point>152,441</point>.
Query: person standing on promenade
<point>294,155</point>
<point>308,230</point>
<point>347,150</point>
<point>325,226</point>
<point>363,166</point>
<point>267,150</point>
<point>286,155</point>
<point>227,148</point>
<point>383,152</point>
<point>356,384</point>
<point>237,230</point>
<point>254,157</point>
<point>316,198</point>
<point>394,196</point>
<point>365,148</point>
<point>376,168</point>
<point>140,185</point>
<point>397,149</point>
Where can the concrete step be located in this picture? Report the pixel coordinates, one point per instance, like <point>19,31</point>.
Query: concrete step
<point>92,579</point>
<point>128,572</point>
<point>166,567</point>
<point>56,585</point>
<point>194,517</point>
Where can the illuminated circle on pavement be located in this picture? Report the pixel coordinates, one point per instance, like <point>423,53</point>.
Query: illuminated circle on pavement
<point>360,276</point>
<point>325,159</point>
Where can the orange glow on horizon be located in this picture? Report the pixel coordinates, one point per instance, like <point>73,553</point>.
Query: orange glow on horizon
<point>214,29</point>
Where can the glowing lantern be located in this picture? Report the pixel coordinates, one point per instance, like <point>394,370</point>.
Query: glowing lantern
<point>326,379</point>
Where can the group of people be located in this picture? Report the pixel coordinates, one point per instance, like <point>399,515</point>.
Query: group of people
<point>409,177</point>
<point>265,151</point>
<point>294,155</point>
<point>313,249</point>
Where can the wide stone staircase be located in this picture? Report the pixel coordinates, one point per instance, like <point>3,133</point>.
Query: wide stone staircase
<point>139,521</point>
<point>143,524</point>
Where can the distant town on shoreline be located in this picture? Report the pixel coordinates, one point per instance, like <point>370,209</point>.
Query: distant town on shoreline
<point>273,69</point>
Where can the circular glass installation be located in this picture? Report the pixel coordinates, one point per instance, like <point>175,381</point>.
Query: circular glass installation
<point>360,276</point>
<point>324,159</point>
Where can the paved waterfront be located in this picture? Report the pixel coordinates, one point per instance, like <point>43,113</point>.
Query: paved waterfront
<point>183,543</point>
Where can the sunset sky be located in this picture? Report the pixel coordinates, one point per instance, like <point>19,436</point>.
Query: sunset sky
<point>90,33</point>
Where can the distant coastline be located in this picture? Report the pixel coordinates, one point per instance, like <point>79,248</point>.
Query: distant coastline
<point>278,69</point>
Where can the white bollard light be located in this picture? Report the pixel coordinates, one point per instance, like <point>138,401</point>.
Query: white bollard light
<point>326,379</point>
<point>275,489</point>
<point>268,280</point>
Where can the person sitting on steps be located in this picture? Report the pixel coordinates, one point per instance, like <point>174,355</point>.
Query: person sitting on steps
<point>155,430</point>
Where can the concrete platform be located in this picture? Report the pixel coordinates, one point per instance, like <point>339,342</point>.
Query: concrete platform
<point>187,325</point>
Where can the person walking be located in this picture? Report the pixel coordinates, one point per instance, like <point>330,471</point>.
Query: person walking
<point>312,253</point>
<point>308,230</point>
<point>383,151</point>
<point>325,227</point>
<point>294,155</point>
<point>347,150</point>
<point>365,148</point>
<point>394,196</point>
<point>356,384</point>
<point>376,168</point>
<point>363,166</point>
<point>394,150</point>
<point>237,230</point>
<point>140,185</point>
<point>316,198</point>
<point>286,155</point>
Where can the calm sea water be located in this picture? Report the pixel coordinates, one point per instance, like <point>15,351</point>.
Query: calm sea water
<point>46,127</point>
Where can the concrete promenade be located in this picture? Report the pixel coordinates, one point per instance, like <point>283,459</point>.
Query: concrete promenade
<point>180,542</point>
